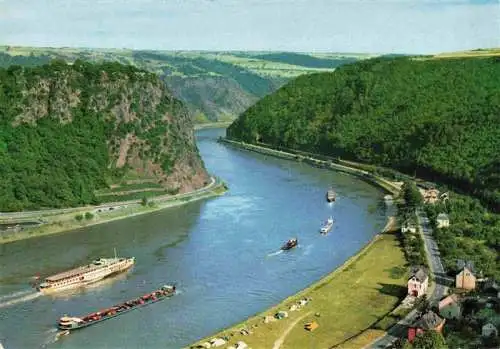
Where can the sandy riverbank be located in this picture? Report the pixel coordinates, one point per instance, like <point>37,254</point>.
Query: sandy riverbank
<point>60,223</point>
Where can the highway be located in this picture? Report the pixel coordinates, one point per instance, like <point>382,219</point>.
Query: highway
<point>4,216</point>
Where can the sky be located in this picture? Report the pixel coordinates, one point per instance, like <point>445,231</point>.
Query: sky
<point>358,26</point>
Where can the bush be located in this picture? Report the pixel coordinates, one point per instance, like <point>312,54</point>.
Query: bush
<point>88,215</point>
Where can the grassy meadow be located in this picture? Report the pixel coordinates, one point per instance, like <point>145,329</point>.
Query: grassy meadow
<point>344,304</point>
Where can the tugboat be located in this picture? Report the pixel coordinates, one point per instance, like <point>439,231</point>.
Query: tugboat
<point>327,226</point>
<point>69,323</point>
<point>290,244</point>
<point>331,195</point>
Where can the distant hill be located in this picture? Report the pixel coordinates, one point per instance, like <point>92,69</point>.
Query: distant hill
<point>214,85</point>
<point>67,131</point>
<point>305,60</point>
<point>435,118</point>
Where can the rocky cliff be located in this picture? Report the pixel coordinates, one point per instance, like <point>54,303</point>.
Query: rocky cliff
<point>69,130</point>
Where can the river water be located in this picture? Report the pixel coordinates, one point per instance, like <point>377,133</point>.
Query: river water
<point>220,252</point>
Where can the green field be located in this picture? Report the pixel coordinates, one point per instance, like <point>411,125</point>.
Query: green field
<point>348,302</point>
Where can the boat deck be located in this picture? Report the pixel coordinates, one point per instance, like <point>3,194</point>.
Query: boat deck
<point>80,270</point>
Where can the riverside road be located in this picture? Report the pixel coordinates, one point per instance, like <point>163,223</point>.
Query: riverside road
<point>440,288</point>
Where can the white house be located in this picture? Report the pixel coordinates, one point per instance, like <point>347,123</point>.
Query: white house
<point>418,283</point>
<point>489,330</point>
<point>408,228</point>
<point>442,220</point>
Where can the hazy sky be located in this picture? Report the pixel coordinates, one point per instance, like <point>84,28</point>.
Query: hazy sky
<point>404,26</point>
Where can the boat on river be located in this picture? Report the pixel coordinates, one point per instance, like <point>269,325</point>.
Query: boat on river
<point>70,323</point>
<point>327,226</point>
<point>290,244</point>
<point>97,270</point>
<point>331,195</point>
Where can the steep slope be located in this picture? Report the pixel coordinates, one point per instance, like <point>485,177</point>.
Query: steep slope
<point>68,130</point>
<point>213,85</point>
<point>437,119</point>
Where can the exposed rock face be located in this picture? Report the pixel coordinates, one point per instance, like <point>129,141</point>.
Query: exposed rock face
<point>148,133</point>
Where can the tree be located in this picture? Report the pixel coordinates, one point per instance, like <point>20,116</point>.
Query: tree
<point>144,201</point>
<point>429,340</point>
<point>423,304</point>
<point>411,195</point>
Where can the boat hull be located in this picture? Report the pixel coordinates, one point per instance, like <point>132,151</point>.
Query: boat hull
<point>289,246</point>
<point>117,313</point>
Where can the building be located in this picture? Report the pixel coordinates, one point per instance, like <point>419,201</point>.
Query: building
<point>408,228</point>
<point>442,220</point>
<point>431,196</point>
<point>418,283</point>
<point>465,280</point>
<point>430,321</point>
<point>489,330</point>
<point>450,307</point>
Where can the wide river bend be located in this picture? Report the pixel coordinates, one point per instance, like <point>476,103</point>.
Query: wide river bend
<point>220,252</point>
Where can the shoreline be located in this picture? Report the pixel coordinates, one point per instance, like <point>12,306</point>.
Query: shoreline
<point>390,225</point>
<point>388,186</point>
<point>66,221</point>
<point>329,277</point>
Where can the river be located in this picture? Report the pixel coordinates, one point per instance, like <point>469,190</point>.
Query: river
<point>220,252</point>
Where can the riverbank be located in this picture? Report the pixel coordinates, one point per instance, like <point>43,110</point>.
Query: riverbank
<point>92,215</point>
<point>349,167</point>
<point>345,303</point>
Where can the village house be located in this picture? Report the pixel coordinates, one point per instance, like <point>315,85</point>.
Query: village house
<point>431,196</point>
<point>418,283</point>
<point>465,280</point>
<point>430,321</point>
<point>450,307</point>
<point>489,330</point>
<point>442,220</point>
<point>408,228</point>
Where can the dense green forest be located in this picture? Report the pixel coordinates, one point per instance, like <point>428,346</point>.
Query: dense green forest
<point>26,61</point>
<point>63,127</point>
<point>305,60</point>
<point>434,119</point>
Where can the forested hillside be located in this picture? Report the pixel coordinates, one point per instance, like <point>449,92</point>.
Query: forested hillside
<point>213,85</point>
<point>69,130</point>
<point>436,119</point>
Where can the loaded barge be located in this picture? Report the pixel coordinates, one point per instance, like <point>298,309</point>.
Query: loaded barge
<point>69,323</point>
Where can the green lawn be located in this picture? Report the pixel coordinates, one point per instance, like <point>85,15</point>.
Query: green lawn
<point>348,301</point>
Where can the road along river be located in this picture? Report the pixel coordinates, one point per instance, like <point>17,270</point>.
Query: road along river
<point>221,253</point>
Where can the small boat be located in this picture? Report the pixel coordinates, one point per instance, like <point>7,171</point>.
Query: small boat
<point>327,226</point>
<point>331,195</point>
<point>69,323</point>
<point>290,244</point>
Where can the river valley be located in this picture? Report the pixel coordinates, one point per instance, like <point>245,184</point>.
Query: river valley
<point>220,252</point>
